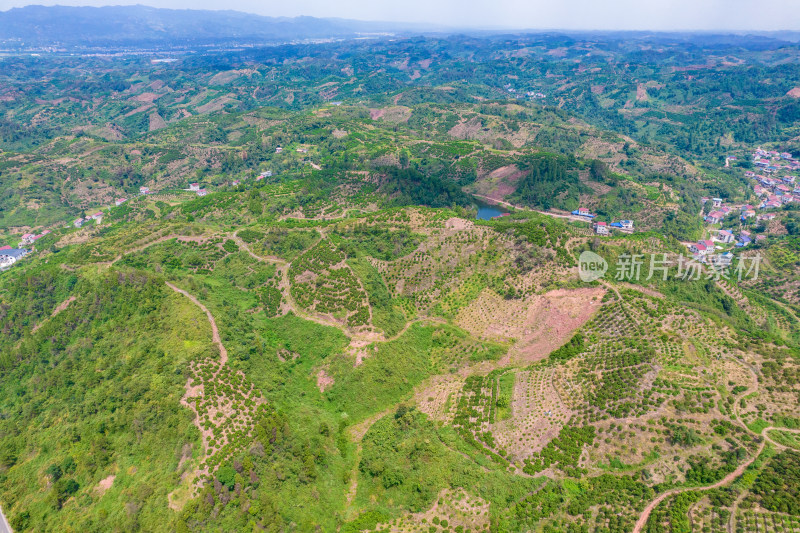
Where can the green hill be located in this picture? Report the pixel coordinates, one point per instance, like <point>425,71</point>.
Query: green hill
<point>326,337</point>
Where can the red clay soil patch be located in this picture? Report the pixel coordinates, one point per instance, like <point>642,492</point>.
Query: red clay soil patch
<point>324,380</point>
<point>214,105</point>
<point>538,324</point>
<point>359,350</point>
<point>502,190</point>
<point>156,122</point>
<point>140,109</point>
<point>555,320</point>
<point>104,485</point>
<point>641,92</point>
<point>375,114</point>
<point>510,173</point>
<point>794,93</point>
<point>146,97</point>
<point>501,182</point>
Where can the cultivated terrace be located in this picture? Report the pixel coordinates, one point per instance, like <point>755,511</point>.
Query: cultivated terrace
<point>332,337</point>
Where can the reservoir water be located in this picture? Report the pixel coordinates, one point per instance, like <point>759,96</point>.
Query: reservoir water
<point>485,212</point>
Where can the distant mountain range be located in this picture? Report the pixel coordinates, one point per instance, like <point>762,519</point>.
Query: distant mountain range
<point>142,26</point>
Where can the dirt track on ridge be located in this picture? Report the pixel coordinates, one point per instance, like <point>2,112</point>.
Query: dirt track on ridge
<point>223,353</point>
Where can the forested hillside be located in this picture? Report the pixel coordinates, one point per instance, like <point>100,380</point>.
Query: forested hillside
<point>342,287</point>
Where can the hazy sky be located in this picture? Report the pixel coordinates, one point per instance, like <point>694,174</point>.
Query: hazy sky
<point>529,14</point>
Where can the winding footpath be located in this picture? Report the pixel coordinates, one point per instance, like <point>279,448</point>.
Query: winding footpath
<point>223,353</point>
<point>182,238</point>
<point>764,434</point>
<point>283,267</point>
<point>191,390</point>
<point>766,430</point>
<point>645,515</point>
<point>4,526</point>
<point>647,511</point>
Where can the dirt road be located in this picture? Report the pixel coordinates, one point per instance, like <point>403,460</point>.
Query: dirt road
<point>645,515</point>
<point>765,433</point>
<point>4,527</point>
<point>223,353</point>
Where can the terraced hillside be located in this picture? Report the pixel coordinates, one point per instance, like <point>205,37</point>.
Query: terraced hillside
<point>387,369</point>
<point>263,294</point>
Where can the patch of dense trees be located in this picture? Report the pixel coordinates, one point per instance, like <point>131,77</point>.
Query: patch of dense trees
<point>410,187</point>
<point>778,485</point>
<point>550,181</point>
<point>563,452</point>
<point>572,348</point>
<point>18,135</point>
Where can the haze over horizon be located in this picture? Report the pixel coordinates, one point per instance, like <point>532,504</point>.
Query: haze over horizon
<point>647,15</point>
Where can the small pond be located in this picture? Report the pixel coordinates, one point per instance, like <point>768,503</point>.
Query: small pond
<point>486,212</point>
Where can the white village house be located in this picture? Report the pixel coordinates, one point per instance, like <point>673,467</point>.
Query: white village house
<point>724,236</point>
<point>9,256</point>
